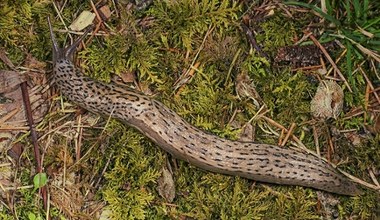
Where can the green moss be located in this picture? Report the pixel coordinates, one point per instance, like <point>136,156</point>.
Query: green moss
<point>99,66</point>
<point>288,96</point>
<point>128,194</point>
<point>273,35</point>
<point>180,22</point>
<point>217,196</point>
<point>19,21</point>
<point>361,207</point>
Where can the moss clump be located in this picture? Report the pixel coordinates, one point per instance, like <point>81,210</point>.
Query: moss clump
<point>272,35</point>
<point>128,194</point>
<point>19,20</point>
<point>114,62</point>
<point>180,22</point>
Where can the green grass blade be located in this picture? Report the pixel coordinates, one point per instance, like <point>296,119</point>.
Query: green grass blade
<point>349,65</point>
<point>329,7</point>
<point>348,11</point>
<point>357,9</point>
<point>365,10</point>
<point>316,9</point>
<point>375,21</point>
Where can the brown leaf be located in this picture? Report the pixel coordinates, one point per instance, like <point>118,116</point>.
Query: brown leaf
<point>247,133</point>
<point>105,12</point>
<point>128,77</point>
<point>166,187</point>
<point>33,63</point>
<point>9,80</point>
<point>328,100</point>
<point>246,88</point>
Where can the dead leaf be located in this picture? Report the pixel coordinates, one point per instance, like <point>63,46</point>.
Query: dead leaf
<point>328,100</point>
<point>9,80</point>
<point>105,12</point>
<point>247,134</point>
<point>128,77</point>
<point>82,21</point>
<point>166,187</point>
<point>32,63</point>
<point>246,88</point>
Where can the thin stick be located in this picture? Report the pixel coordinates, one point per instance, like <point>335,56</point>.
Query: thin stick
<point>6,60</point>
<point>100,21</point>
<point>298,141</point>
<point>337,60</point>
<point>9,115</point>
<point>366,102</point>
<point>182,79</point>
<point>33,135</point>
<point>60,17</point>
<point>316,141</point>
<point>362,182</point>
<point>307,68</point>
<point>252,41</point>
<point>373,177</point>
<point>316,42</point>
<point>369,84</point>
<point>288,134</point>
<point>78,141</point>
<point>280,137</point>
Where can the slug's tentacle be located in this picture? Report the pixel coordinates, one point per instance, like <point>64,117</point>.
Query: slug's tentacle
<point>261,162</point>
<point>68,52</point>
<point>57,51</point>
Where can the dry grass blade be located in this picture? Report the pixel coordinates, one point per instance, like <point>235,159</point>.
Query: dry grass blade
<point>370,84</point>
<point>6,60</point>
<point>288,134</point>
<point>316,42</point>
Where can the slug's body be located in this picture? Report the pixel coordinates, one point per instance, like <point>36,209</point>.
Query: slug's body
<point>262,162</point>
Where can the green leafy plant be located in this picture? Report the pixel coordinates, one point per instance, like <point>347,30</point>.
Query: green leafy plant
<point>357,24</point>
<point>40,180</point>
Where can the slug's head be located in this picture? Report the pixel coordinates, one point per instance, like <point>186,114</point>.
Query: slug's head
<point>68,52</point>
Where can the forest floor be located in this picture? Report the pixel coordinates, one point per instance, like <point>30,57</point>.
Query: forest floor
<point>285,73</point>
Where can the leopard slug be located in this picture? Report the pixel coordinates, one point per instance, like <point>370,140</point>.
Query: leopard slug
<point>256,161</point>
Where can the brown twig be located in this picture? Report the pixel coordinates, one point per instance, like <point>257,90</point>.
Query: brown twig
<point>280,137</point>
<point>330,149</point>
<point>316,141</point>
<point>33,134</point>
<point>9,115</point>
<point>252,41</point>
<point>366,101</point>
<point>183,80</point>
<point>316,42</point>
<point>369,84</point>
<point>6,60</point>
<point>295,138</point>
<point>78,141</point>
<point>100,22</point>
<point>305,68</point>
<point>96,11</point>
<point>288,134</point>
